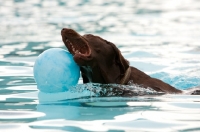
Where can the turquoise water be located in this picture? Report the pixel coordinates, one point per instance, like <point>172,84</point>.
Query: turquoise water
<point>159,37</point>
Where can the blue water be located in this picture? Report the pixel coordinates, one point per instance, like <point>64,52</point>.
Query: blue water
<point>160,37</point>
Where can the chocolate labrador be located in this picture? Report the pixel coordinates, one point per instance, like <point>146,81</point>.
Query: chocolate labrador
<point>101,61</point>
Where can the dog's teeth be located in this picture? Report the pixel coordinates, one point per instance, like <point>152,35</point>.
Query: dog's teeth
<point>66,40</point>
<point>79,52</point>
<point>76,51</point>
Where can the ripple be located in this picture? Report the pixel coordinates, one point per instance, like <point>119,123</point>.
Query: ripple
<point>19,114</point>
<point>9,126</point>
<point>160,37</point>
<point>16,71</point>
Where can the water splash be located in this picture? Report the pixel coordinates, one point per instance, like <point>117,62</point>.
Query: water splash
<point>94,90</point>
<point>109,90</point>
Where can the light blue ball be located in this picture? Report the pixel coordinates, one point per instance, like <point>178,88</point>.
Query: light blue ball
<point>55,71</point>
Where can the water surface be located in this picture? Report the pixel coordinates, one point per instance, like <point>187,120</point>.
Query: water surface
<point>160,38</point>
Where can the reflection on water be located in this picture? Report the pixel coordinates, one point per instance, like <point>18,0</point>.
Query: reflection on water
<point>159,37</point>
<point>138,113</point>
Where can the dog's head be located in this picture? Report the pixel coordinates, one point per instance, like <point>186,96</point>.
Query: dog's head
<point>91,50</point>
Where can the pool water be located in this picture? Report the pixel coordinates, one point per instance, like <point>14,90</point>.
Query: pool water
<point>158,37</point>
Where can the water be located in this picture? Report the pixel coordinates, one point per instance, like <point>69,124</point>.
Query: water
<point>159,37</point>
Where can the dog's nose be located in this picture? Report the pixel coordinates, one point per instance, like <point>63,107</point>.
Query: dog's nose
<point>62,31</point>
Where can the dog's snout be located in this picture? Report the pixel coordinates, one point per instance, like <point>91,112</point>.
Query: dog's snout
<point>62,31</point>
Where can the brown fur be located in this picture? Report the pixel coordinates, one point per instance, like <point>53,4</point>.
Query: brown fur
<point>106,64</point>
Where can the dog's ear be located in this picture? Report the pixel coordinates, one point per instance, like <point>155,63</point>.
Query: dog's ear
<point>119,59</point>
<point>116,66</point>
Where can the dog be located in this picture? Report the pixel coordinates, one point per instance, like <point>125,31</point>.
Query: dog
<point>101,62</point>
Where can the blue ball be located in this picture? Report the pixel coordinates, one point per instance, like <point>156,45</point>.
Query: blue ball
<point>55,71</point>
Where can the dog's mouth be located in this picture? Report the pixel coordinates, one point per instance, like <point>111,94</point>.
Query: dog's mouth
<point>79,47</point>
<point>76,44</point>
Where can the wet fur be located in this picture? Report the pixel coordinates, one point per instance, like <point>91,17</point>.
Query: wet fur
<point>107,66</point>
